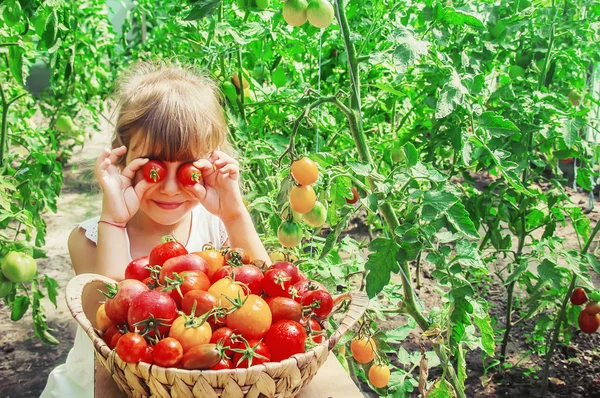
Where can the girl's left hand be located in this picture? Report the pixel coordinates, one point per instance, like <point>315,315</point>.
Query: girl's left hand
<point>219,191</point>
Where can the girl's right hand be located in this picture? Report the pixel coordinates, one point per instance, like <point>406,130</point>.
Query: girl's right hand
<point>121,199</point>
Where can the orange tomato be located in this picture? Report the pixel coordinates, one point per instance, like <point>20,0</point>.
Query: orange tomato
<point>190,335</point>
<point>305,171</point>
<point>252,319</point>
<point>225,290</point>
<point>379,375</point>
<point>363,349</point>
<point>213,258</point>
<point>103,322</point>
<point>302,199</point>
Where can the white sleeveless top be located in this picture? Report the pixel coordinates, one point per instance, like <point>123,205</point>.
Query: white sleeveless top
<point>75,378</point>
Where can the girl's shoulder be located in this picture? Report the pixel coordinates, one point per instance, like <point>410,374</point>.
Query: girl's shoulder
<point>82,250</point>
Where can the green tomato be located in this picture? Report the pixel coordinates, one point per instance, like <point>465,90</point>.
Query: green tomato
<point>19,267</point>
<point>230,92</point>
<point>289,234</point>
<point>6,286</point>
<point>516,71</point>
<point>317,216</point>
<point>262,4</point>
<point>498,29</point>
<point>523,59</point>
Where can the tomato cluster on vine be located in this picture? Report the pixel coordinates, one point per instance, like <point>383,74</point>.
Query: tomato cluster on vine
<point>589,317</point>
<point>211,309</point>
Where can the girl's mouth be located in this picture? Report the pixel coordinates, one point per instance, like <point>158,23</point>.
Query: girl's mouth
<point>168,205</point>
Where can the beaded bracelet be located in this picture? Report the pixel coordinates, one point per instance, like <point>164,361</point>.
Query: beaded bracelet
<point>113,224</point>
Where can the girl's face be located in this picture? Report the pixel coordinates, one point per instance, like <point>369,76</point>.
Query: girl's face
<point>168,201</point>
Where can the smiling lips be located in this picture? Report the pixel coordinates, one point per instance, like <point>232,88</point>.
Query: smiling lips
<point>168,205</point>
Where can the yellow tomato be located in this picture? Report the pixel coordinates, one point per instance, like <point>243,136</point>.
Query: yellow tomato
<point>302,199</point>
<point>190,336</point>
<point>226,290</point>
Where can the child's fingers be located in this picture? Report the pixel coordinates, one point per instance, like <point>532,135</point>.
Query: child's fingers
<point>199,190</point>
<point>205,167</point>
<point>230,170</point>
<point>141,187</point>
<point>133,167</point>
<point>221,158</point>
<point>117,152</point>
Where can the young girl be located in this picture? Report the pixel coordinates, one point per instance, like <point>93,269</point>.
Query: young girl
<point>173,115</point>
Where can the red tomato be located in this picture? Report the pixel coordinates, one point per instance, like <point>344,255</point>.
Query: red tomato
<point>131,348</point>
<point>223,272</point>
<point>315,329</point>
<point>588,322</point>
<point>251,276</point>
<point>252,319</point>
<point>186,282</point>
<point>166,250</point>
<point>237,256</point>
<point>253,352</point>
<point>148,355</point>
<point>299,288</point>
<point>578,297</point>
<point>201,357</point>
<point>151,283</point>
<point>284,308</point>
<point>284,339</point>
<point>214,259</point>
<point>186,262</point>
<point>223,336</point>
<point>114,340</point>
<point>288,267</point>
<point>320,302</point>
<point>127,291</point>
<point>167,352</point>
<point>189,175</point>
<point>137,269</point>
<point>152,311</point>
<point>108,335</point>
<point>154,171</point>
<point>277,283</point>
<point>204,300</point>
<point>224,363</point>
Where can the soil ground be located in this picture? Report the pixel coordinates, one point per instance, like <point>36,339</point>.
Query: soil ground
<point>25,363</point>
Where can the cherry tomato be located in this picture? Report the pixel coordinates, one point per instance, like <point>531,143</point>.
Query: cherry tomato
<point>152,311</point>
<point>168,249</point>
<point>190,332</point>
<point>154,171</point>
<point>224,363</point>
<point>226,290</point>
<point>137,269</point>
<point>315,329</point>
<point>317,216</point>
<point>148,355</point>
<point>303,286</point>
<point>288,267</point>
<point>305,171</point>
<point>252,319</point>
<point>127,291</point>
<point>114,340</point>
<point>103,322</point>
<point>253,352</point>
<point>363,349</point>
<point>190,280</point>
<point>277,283</point>
<point>289,234</point>
<point>320,302</point>
<point>284,308</point>
<point>588,323</point>
<point>302,198</point>
<point>379,375</point>
<point>201,357</point>
<point>189,175</point>
<point>250,276</point>
<point>204,300</point>
<point>223,336</point>
<point>214,259</point>
<point>592,308</point>
<point>284,339</point>
<point>131,348</point>
<point>237,256</point>
<point>578,297</point>
<point>109,334</point>
<point>355,196</point>
<point>179,264</point>
<point>167,352</point>
<point>223,272</point>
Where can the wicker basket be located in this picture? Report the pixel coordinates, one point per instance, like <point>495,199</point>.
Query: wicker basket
<point>275,379</point>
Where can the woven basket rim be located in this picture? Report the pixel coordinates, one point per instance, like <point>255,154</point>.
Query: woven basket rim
<point>75,287</point>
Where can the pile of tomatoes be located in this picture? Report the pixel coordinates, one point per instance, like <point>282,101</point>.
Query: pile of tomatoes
<point>211,309</point>
<point>589,317</point>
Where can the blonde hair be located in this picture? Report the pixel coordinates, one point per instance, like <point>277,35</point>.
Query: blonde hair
<point>177,111</point>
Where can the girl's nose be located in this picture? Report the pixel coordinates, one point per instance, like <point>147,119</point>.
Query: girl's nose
<point>170,184</point>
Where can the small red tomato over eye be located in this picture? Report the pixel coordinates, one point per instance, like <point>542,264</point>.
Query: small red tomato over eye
<point>189,175</point>
<point>154,171</point>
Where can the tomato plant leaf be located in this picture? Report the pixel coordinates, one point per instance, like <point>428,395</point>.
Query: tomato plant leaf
<point>440,389</point>
<point>52,288</point>
<point>334,235</point>
<point>201,9</point>
<point>408,49</point>
<point>381,263</point>
<point>12,13</point>
<point>458,17</point>
<point>497,124</point>
<point>19,307</point>
<point>451,96</point>
<point>411,153</point>
<point>585,179</point>
<point>360,168</point>
<point>571,129</point>
<point>481,318</point>
<point>15,57</point>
